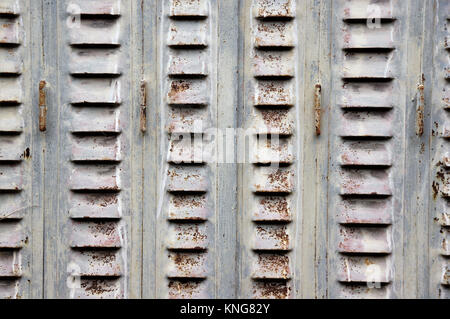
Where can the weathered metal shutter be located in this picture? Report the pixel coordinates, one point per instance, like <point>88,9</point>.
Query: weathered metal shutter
<point>91,145</point>
<point>224,149</point>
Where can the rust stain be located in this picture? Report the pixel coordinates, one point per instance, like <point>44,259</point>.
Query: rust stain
<point>276,290</point>
<point>183,289</point>
<point>278,206</point>
<point>278,264</point>
<point>280,181</point>
<point>96,287</point>
<point>178,87</point>
<point>279,236</point>
<point>274,9</point>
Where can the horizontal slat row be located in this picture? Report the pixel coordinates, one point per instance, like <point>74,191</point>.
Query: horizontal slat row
<point>272,147</point>
<point>97,235</point>
<point>189,233</point>
<point>368,69</point>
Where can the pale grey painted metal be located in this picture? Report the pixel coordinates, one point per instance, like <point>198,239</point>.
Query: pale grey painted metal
<point>150,72</point>
<point>314,233</point>
<point>367,197</point>
<point>417,153</point>
<point>227,213</point>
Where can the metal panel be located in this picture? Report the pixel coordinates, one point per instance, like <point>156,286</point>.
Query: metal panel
<point>220,149</point>
<point>185,242</point>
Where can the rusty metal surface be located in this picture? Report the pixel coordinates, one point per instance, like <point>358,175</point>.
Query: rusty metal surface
<point>224,149</point>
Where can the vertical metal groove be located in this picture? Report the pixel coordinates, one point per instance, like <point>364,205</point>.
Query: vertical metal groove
<point>35,56</point>
<point>416,155</point>
<point>226,117</point>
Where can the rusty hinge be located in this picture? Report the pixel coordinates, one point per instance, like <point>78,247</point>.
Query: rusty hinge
<point>420,109</point>
<point>317,107</point>
<point>143,112</point>
<point>42,107</point>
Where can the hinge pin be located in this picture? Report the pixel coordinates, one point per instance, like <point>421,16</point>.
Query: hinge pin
<point>143,112</point>
<point>317,107</point>
<point>42,107</point>
<point>420,110</point>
